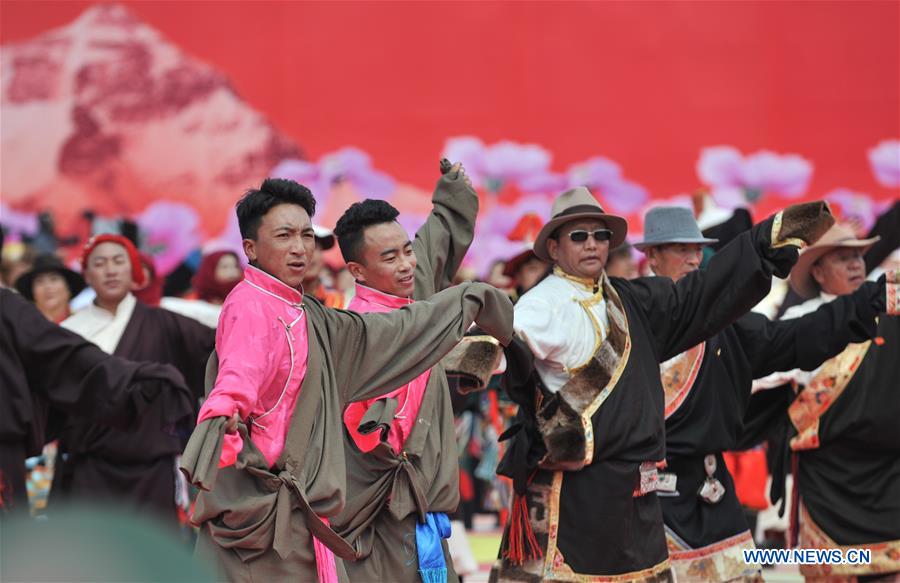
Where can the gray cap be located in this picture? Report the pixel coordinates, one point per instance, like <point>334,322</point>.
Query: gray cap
<point>671,224</point>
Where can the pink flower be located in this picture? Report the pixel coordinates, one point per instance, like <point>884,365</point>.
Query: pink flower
<point>525,166</point>
<point>347,164</point>
<point>885,161</point>
<point>169,232</point>
<point>857,207</point>
<point>228,240</point>
<point>494,224</point>
<point>723,168</point>
<point>604,178</point>
<point>18,222</point>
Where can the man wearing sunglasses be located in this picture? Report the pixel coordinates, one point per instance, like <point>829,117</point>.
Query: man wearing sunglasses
<point>584,370</point>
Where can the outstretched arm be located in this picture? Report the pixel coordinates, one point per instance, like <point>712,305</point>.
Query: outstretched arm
<point>383,351</point>
<point>701,304</point>
<point>78,378</point>
<point>807,342</point>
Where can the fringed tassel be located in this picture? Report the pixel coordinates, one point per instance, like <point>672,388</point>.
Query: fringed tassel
<point>521,544</point>
<point>434,575</point>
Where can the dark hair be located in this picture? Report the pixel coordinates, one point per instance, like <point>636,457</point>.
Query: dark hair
<point>352,224</point>
<point>256,202</point>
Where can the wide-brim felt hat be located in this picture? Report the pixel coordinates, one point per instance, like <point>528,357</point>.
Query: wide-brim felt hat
<point>664,225</point>
<point>48,264</point>
<point>575,204</point>
<point>838,236</point>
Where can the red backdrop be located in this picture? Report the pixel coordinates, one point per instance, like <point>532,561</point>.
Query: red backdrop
<point>645,83</point>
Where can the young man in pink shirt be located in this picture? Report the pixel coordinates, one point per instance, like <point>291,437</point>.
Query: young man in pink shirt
<point>268,449</point>
<point>403,472</point>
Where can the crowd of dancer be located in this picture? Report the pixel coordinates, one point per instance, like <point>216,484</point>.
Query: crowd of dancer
<point>299,423</point>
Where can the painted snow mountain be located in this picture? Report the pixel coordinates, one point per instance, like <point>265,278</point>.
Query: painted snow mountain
<point>107,114</point>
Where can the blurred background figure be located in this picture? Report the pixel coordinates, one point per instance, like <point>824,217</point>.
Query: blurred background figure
<point>51,286</point>
<point>217,275</point>
<point>317,273</point>
<point>621,262</point>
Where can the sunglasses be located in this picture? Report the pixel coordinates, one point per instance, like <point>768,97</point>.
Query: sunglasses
<point>582,236</point>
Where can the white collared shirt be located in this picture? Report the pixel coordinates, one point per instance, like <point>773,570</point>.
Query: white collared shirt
<point>563,322</point>
<point>101,326</point>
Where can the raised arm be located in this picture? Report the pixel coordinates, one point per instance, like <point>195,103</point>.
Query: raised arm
<point>807,342</point>
<point>888,228</point>
<point>701,304</point>
<point>380,352</point>
<point>442,242</point>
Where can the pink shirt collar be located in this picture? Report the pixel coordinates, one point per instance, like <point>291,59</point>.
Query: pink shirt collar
<point>272,286</point>
<point>380,298</point>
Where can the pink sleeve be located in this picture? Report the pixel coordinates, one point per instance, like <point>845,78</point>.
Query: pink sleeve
<point>241,339</point>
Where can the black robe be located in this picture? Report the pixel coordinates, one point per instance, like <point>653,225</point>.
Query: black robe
<point>136,469</point>
<point>590,521</point>
<point>708,417</point>
<point>850,483</point>
<point>42,364</point>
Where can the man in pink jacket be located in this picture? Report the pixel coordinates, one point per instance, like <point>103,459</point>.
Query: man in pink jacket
<point>268,449</point>
<point>403,474</point>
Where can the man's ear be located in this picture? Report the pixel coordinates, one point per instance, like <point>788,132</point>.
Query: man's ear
<point>357,270</point>
<point>818,273</point>
<point>652,257</point>
<point>250,249</point>
<point>553,249</point>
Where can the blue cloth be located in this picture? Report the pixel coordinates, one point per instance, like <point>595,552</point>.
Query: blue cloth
<point>432,565</point>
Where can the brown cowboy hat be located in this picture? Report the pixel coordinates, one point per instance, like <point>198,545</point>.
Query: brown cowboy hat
<point>836,237</point>
<point>575,204</point>
<point>48,264</point>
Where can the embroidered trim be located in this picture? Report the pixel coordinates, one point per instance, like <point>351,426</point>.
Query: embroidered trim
<point>776,233</point>
<point>885,555</point>
<point>613,381</point>
<point>821,392</point>
<point>287,382</point>
<point>893,299</point>
<point>678,375</point>
<point>584,282</point>
<point>598,333</point>
<point>719,561</point>
<point>555,567</point>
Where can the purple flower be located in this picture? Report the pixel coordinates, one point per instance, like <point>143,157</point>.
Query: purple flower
<point>526,166</point>
<point>347,164</point>
<point>228,240</point>
<point>595,172</point>
<point>18,222</point>
<point>355,166</point>
<point>731,197</point>
<point>720,166</point>
<point>169,233</point>
<point>787,175</point>
<point>604,178</point>
<point>723,167</point>
<point>857,207</point>
<point>544,183</point>
<point>496,222</point>
<point>885,161</point>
